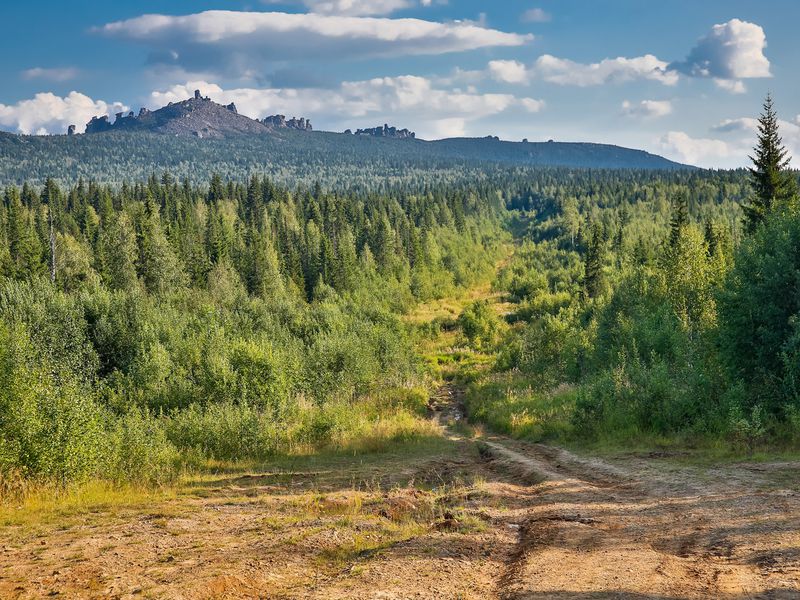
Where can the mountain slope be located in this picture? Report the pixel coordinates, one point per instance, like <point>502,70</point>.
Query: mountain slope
<point>198,117</point>
<point>285,154</point>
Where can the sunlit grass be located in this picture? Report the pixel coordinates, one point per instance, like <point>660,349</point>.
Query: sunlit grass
<point>508,404</point>
<point>45,503</point>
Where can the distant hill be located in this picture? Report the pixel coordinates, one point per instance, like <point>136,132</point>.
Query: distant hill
<point>198,137</point>
<point>554,154</point>
<point>196,117</point>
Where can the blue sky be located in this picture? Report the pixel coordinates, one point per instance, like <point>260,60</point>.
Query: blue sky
<point>681,78</point>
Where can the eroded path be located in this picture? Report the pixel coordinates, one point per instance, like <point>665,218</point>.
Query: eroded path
<point>634,530</point>
<point>450,518</point>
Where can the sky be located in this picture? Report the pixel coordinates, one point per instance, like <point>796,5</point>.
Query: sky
<point>684,79</point>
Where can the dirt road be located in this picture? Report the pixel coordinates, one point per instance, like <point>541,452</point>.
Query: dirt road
<point>453,518</point>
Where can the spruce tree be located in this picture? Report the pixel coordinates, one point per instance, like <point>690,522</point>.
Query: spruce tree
<point>772,182</point>
<point>679,220</point>
<point>593,264</point>
<point>24,246</point>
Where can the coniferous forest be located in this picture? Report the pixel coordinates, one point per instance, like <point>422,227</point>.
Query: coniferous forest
<point>152,326</point>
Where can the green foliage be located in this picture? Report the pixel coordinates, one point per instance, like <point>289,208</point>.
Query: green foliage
<point>480,325</point>
<point>230,323</point>
<point>50,426</point>
<point>759,314</point>
<point>774,185</point>
<point>511,405</point>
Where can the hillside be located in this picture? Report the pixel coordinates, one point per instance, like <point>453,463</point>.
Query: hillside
<point>287,155</point>
<point>196,117</point>
<point>197,137</point>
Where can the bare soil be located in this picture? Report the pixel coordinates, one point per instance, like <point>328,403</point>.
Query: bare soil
<point>456,518</point>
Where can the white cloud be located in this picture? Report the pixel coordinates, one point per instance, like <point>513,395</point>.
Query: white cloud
<point>535,15</point>
<point>733,86</point>
<point>731,52</point>
<point>647,109</point>
<point>701,152</point>
<point>241,43</point>
<point>611,70</point>
<point>55,74</point>
<point>734,150</point>
<point>744,124</point>
<point>448,128</point>
<point>728,53</point>
<point>408,101</point>
<point>742,135</point>
<point>48,113</point>
<point>356,7</point>
<point>532,105</point>
<point>561,71</point>
<point>508,71</point>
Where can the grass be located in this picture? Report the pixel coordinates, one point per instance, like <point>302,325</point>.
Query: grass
<point>46,504</point>
<point>507,403</point>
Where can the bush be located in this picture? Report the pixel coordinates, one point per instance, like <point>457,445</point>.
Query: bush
<point>227,431</point>
<point>50,427</point>
<point>480,325</point>
<point>759,311</point>
<point>137,449</point>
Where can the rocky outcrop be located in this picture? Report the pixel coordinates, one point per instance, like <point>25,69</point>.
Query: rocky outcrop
<point>98,125</point>
<point>280,122</point>
<point>198,116</point>
<point>387,132</point>
<point>71,130</point>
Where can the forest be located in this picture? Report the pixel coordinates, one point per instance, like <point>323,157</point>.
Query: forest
<point>337,161</point>
<point>152,327</point>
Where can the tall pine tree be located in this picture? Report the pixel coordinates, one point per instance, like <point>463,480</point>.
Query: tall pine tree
<point>679,220</point>
<point>772,181</point>
<point>593,264</point>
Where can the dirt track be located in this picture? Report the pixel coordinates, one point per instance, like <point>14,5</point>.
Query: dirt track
<point>492,518</point>
<point>640,531</point>
<point>465,519</point>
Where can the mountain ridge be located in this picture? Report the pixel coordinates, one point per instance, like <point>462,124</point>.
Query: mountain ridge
<point>196,137</point>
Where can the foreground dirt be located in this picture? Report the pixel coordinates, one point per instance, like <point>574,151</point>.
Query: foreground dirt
<point>456,519</point>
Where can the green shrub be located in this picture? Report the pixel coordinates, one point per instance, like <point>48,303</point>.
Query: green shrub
<point>480,325</point>
<point>50,427</point>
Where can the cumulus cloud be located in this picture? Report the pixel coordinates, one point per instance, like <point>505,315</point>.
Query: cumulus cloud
<point>409,100</point>
<point>741,134</point>
<point>647,109</point>
<point>242,42</point>
<point>532,105</point>
<point>562,71</point>
<point>732,151</point>
<point>508,71</point>
<point>535,15</point>
<point>54,74</point>
<point>48,113</point>
<point>701,152</point>
<point>611,70</point>
<point>744,124</point>
<point>356,7</point>
<point>732,50</point>
<point>731,85</point>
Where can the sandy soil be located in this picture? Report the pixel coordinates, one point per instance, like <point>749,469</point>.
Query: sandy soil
<point>493,518</point>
